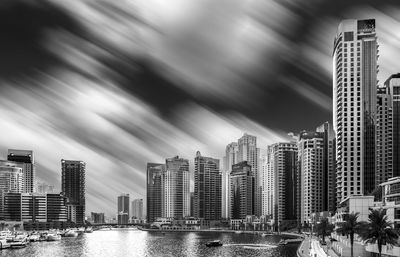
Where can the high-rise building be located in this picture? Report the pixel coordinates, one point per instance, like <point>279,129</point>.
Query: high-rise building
<point>354,118</point>
<point>242,190</point>
<point>11,175</point>
<point>393,89</point>
<point>56,207</point>
<point>97,218</point>
<point>268,187</point>
<point>231,157</point>
<point>384,136</point>
<point>137,209</point>
<point>191,204</point>
<point>25,157</point>
<point>154,193</point>
<point>207,188</point>
<point>123,209</point>
<point>248,151</point>
<point>332,203</point>
<point>73,188</point>
<point>176,188</point>
<point>282,178</point>
<point>311,164</point>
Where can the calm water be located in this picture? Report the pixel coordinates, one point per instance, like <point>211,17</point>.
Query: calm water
<point>121,243</point>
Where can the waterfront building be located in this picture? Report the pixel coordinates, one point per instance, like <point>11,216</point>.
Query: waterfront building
<point>230,158</point>
<point>207,188</point>
<point>354,105</point>
<point>26,158</point>
<point>154,193</point>
<point>73,188</point>
<point>11,175</point>
<point>137,209</point>
<point>34,207</point>
<point>97,218</point>
<point>191,204</point>
<point>282,173</point>
<point>248,151</point>
<point>242,191</point>
<point>176,188</point>
<point>123,209</point>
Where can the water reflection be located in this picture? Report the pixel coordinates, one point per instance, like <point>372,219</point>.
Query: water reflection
<point>121,243</point>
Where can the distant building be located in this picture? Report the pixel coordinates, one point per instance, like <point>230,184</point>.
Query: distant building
<point>137,209</point>
<point>123,209</point>
<point>97,218</point>
<point>248,151</point>
<point>191,204</point>
<point>231,157</point>
<point>73,188</point>
<point>242,191</point>
<point>25,157</point>
<point>207,188</point>
<point>176,188</point>
<point>154,193</point>
<point>43,188</point>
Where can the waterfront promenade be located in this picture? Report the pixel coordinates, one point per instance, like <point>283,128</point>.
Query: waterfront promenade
<point>311,247</point>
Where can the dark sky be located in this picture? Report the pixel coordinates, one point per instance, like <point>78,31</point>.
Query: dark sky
<point>118,84</point>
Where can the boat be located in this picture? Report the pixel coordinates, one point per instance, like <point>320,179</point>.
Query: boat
<point>238,232</point>
<point>4,244</point>
<point>70,233</point>
<point>267,234</point>
<point>34,237</point>
<point>88,230</point>
<point>18,244</point>
<point>53,237</point>
<point>214,243</point>
<point>282,242</point>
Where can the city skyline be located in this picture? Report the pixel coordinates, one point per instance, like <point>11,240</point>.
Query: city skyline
<point>66,124</point>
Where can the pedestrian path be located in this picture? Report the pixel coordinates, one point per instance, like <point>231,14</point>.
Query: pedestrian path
<point>312,248</point>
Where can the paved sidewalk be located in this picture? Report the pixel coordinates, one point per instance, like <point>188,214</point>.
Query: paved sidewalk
<point>314,249</point>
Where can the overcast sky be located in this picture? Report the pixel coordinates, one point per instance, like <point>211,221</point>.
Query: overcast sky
<point>118,84</point>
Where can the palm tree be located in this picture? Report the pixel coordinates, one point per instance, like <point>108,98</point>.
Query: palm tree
<point>349,227</point>
<point>379,230</point>
<point>324,228</point>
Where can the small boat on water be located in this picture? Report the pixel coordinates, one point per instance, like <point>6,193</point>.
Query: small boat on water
<point>34,237</point>
<point>238,232</point>
<point>70,233</point>
<point>4,244</point>
<point>88,230</point>
<point>53,237</point>
<point>282,242</point>
<point>214,243</point>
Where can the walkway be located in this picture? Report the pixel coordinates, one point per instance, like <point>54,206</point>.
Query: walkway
<point>314,249</point>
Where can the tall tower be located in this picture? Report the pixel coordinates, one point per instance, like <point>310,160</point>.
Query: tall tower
<point>123,209</point>
<point>73,188</point>
<point>11,175</point>
<point>393,89</point>
<point>231,157</point>
<point>137,209</point>
<point>282,178</point>
<point>207,188</point>
<point>25,157</point>
<point>242,191</point>
<point>248,151</point>
<point>176,188</point>
<point>154,193</point>
<point>354,118</point>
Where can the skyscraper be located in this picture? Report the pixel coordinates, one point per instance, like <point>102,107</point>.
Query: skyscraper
<point>311,164</point>
<point>154,193</point>
<point>248,151</point>
<point>282,178</point>
<point>123,209</point>
<point>207,188</point>
<point>242,191</point>
<point>44,188</point>
<point>176,188</point>
<point>137,209</point>
<point>73,188</point>
<point>231,157</point>
<point>97,218</point>
<point>25,157</point>
<point>354,118</point>
<point>392,85</point>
